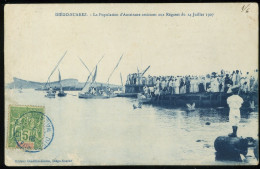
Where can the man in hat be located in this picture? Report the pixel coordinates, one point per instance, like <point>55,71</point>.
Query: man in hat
<point>234,103</point>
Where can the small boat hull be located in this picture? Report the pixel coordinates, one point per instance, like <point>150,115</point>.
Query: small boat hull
<point>62,94</point>
<point>52,95</point>
<point>90,96</point>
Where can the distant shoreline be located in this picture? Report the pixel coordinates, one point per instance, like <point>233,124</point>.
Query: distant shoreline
<point>67,84</point>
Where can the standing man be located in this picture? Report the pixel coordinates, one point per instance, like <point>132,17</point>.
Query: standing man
<point>234,103</point>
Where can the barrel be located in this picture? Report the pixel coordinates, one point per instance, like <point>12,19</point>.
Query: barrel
<point>230,146</point>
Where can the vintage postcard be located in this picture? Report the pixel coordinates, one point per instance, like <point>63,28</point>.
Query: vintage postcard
<point>131,84</point>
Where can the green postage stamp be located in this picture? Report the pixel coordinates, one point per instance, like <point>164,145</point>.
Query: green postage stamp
<point>26,127</point>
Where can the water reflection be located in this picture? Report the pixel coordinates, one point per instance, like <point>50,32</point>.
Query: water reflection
<point>111,129</point>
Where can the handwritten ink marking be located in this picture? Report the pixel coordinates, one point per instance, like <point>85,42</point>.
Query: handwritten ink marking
<point>245,8</point>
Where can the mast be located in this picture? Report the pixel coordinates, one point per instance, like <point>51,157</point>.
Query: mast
<point>145,70</point>
<point>94,76</point>
<point>54,69</point>
<point>121,79</point>
<point>84,64</point>
<point>114,69</point>
<point>60,80</point>
<point>85,88</point>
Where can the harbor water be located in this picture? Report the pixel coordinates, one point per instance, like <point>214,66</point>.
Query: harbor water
<point>110,131</point>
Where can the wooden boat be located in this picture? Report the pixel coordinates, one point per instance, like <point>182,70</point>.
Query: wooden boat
<point>62,94</point>
<point>50,95</point>
<point>91,96</point>
<point>86,91</point>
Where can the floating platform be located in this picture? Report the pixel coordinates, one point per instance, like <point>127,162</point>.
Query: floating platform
<point>214,100</point>
<point>127,94</point>
<point>205,99</point>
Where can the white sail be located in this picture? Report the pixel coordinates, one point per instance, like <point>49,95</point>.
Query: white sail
<point>94,76</point>
<point>87,86</point>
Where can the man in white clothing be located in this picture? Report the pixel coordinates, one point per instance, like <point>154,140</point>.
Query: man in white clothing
<point>234,103</point>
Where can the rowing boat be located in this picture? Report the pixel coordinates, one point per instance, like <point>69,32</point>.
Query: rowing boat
<point>91,96</point>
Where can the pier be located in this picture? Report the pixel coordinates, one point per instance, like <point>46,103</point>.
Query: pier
<point>203,99</point>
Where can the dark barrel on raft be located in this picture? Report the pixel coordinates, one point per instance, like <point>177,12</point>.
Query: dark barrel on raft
<point>230,148</point>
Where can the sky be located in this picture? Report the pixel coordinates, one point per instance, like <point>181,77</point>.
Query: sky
<point>35,40</point>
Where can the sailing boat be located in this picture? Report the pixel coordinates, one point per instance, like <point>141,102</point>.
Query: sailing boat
<point>61,92</point>
<point>51,92</point>
<point>89,91</point>
<point>110,93</point>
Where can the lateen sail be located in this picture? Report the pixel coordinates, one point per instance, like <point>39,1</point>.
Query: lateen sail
<point>87,86</point>
<point>94,76</point>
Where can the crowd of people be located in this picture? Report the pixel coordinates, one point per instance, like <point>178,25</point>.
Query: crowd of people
<point>214,82</point>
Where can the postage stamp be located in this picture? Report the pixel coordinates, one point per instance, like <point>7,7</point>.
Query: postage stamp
<point>29,128</point>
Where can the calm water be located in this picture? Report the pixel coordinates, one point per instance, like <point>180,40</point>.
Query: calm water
<point>110,131</point>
